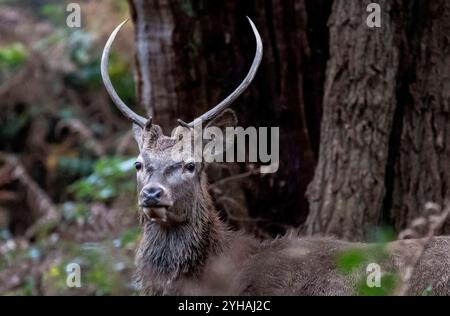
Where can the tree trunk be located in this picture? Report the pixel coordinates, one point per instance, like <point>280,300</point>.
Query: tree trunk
<point>347,193</point>
<point>385,132</point>
<point>423,166</point>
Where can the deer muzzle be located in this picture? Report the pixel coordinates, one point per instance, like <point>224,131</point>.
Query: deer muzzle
<point>162,215</point>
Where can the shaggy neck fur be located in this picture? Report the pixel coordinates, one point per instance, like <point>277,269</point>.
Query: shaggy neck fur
<point>165,254</point>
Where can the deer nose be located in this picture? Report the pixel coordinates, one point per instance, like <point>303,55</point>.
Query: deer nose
<point>152,196</point>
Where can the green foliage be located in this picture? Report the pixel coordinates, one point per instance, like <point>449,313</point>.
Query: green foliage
<point>75,212</point>
<point>111,177</point>
<point>87,73</point>
<point>46,228</point>
<point>28,288</point>
<point>428,291</point>
<point>66,112</point>
<point>54,12</point>
<point>75,166</point>
<point>354,258</point>
<point>351,259</point>
<point>388,283</point>
<point>122,78</point>
<point>11,124</point>
<point>128,239</point>
<point>13,56</point>
<point>54,38</point>
<point>8,258</point>
<point>355,261</point>
<point>99,270</point>
<point>80,47</point>
<point>100,267</point>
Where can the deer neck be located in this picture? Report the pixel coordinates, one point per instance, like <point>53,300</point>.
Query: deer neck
<point>184,249</point>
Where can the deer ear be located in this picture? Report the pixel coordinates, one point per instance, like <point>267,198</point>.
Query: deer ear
<point>152,133</point>
<point>147,136</point>
<point>225,119</point>
<point>215,137</point>
<point>137,132</point>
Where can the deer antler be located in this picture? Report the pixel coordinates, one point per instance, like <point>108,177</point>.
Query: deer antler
<point>139,120</point>
<point>238,91</point>
<point>142,122</point>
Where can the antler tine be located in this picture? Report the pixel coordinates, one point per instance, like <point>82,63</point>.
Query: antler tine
<point>238,91</point>
<point>126,111</point>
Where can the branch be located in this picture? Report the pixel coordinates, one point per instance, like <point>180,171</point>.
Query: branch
<point>433,223</point>
<point>77,126</point>
<point>233,178</point>
<point>36,198</point>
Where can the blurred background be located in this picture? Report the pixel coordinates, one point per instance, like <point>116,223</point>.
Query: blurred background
<point>67,186</point>
<point>363,114</point>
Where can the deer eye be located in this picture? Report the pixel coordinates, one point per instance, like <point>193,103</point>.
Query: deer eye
<point>138,165</point>
<point>190,166</point>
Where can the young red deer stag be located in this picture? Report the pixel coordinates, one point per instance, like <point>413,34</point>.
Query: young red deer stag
<point>187,249</point>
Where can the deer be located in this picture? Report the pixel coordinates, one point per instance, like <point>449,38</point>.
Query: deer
<point>187,249</point>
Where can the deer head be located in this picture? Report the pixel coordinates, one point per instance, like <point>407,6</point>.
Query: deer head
<point>171,184</point>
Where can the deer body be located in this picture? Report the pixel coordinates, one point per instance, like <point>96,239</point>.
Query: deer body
<point>186,249</point>
<point>236,264</point>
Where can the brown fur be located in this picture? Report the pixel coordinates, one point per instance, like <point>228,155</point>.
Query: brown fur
<point>198,255</point>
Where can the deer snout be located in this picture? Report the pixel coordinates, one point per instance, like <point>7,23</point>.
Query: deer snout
<point>151,196</point>
<point>155,202</point>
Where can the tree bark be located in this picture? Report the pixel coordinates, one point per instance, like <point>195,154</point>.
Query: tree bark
<point>423,165</point>
<point>347,193</point>
<point>385,133</point>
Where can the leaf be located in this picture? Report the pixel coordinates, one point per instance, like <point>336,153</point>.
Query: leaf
<point>428,291</point>
<point>13,55</point>
<point>351,259</point>
<point>111,176</point>
<point>12,126</point>
<point>388,284</point>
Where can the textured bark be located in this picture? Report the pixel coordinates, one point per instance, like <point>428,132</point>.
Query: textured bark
<point>155,58</point>
<point>347,193</point>
<point>423,166</point>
